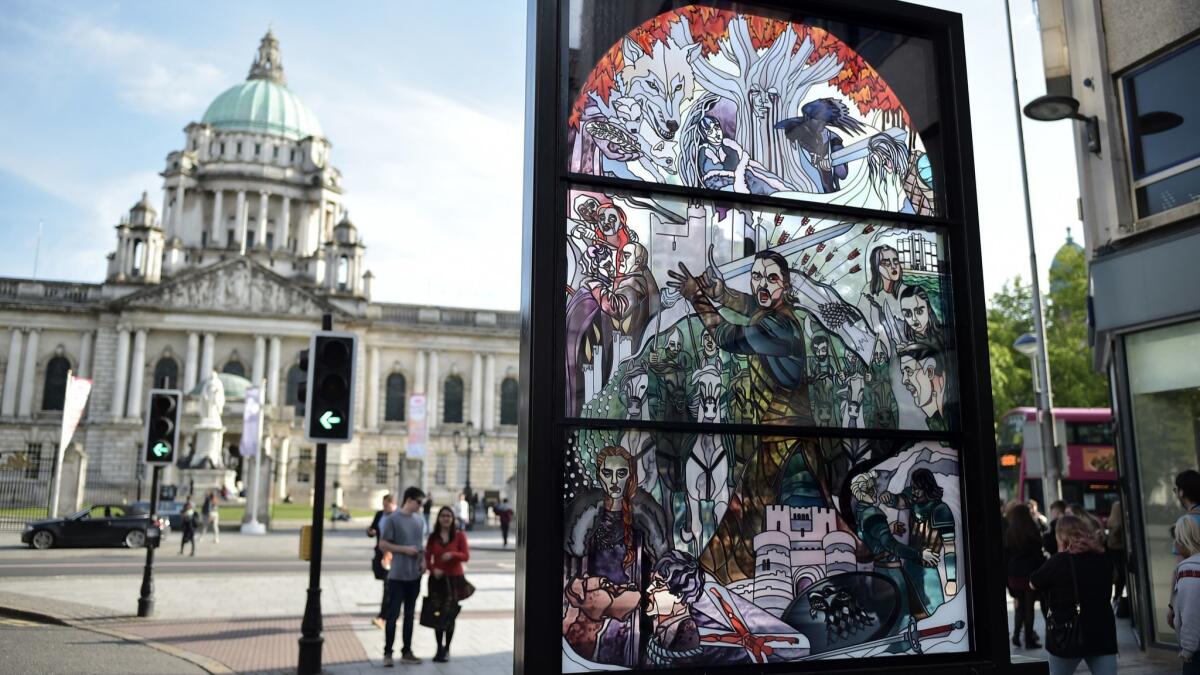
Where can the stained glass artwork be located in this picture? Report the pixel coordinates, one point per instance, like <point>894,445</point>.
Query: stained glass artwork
<point>683,311</point>
<point>710,98</point>
<point>696,549</point>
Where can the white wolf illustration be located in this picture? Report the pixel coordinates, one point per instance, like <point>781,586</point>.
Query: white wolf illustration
<point>706,472</point>
<point>660,81</point>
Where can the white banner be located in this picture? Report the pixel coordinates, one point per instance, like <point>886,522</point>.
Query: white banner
<point>417,431</point>
<point>78,389</point>
<point>251,419</point>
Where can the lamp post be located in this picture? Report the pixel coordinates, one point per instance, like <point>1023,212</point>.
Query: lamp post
<point>1029,345</point>
<point>467,494</point>
<point>1045,416</point>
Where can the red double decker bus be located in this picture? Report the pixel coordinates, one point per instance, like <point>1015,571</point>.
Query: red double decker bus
<point>1087,455</point>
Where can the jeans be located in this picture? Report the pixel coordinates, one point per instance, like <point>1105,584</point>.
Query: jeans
<point>383,606</point>
<point>400,592</point>
<point>1191,667</point>
<point>1102,664</point>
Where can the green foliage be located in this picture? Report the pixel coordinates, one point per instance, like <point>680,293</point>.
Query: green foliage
<point>1010,314</point>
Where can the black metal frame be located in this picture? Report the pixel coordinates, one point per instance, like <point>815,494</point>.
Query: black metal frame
<point>544,429</point>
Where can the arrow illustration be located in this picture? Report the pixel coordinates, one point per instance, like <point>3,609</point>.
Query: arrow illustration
<point>160,449</point>
<point>328,419</point>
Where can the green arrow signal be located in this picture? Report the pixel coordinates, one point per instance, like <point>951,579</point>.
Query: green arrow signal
<point>161,449</point>
<point>328,419</point>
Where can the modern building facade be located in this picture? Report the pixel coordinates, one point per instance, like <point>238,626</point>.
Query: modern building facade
<point>1131,65</point>
<point>251,245</point>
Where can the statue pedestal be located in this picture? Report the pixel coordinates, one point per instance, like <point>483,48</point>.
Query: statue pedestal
<point>208,454</point>
<point>200,481</point>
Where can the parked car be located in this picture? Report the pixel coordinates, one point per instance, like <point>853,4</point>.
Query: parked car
<point>97,525</point>
<point>169,511</point>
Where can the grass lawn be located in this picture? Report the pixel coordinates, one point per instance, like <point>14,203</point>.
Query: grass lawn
<point>233,513</point>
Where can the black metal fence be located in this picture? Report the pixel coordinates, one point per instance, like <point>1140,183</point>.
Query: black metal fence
<point>24,487</point>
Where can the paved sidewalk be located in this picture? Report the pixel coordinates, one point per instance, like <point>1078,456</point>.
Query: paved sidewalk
<point>1131,659</point>
<point>250,622</point>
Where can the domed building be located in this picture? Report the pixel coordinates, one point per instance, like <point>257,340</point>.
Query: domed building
<point>229,277</point>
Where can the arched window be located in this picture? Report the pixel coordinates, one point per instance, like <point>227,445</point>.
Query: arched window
<point>397,389</point>
<point>234,368</point>
<point>294,376</point>
<point>138,247</point>
<point>55,390</point>
<point>453,400</point>
<point>343,273</point>
<point>510,393</point>
<point>166,374</point>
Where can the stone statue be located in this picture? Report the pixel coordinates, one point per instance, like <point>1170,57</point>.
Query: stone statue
<point>212,400</point>
<point>210,429</point>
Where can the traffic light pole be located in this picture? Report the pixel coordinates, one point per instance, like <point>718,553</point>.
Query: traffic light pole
<point>146,601</point>
<point>310,628</point>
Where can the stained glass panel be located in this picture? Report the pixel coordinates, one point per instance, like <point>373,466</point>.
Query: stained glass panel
<point>695,311</point>
<point>712,549</point>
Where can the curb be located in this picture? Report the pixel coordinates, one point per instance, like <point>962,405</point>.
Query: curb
<point>203,662</point>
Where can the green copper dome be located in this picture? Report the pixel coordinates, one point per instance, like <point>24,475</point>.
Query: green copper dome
<point>262,106</point>
<point>263,103</point>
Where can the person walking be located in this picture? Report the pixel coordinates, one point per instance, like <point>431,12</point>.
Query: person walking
<point>402,536</point>
<point>381,562</point>
<point>1114,542</point>
<point>188,523</point>
<point>1023,552</point>
<point>504,513</point>
<point>1078,584</point>
<point>212,516</point>
<point>1185,594</point>
<point>445,552</point>
<point>464,512</point>
<point>1058,508</point>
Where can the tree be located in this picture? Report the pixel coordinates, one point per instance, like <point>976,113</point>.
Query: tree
<point>1074,383</point>
<point>1009,316</point>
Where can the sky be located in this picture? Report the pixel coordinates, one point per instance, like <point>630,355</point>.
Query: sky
<point>424,106</point>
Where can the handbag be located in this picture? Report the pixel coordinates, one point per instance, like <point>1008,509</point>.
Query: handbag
<point>1064,634</point>
<point>465,590</point>
<point>440,613</point>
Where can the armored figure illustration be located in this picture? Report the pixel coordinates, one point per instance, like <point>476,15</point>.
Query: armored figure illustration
<point>931,527</point>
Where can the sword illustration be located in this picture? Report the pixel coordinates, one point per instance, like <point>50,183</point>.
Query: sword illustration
<point>912,634</point>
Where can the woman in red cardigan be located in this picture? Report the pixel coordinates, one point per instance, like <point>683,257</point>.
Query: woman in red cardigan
<point>445,552</point>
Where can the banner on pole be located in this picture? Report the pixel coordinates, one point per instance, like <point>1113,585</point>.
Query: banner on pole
<point>417,430</point>
<point>78,389</point>
<point>251,419</point>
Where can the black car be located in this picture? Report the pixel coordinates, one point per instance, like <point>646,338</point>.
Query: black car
<point>171,511</point>
<point>97,525</point>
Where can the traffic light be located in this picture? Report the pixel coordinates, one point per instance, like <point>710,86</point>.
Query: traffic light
<point>162,426</point>
<point>329,401</point>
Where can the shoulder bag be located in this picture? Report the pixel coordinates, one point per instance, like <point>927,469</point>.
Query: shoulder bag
<point>1064,632</point>
<point>440,613</point>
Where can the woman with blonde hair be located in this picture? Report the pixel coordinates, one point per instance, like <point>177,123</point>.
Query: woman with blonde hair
<point>1185,596</point>
<point>1077,582</point>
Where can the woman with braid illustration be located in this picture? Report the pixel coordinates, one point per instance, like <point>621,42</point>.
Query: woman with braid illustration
<point>610,532</point>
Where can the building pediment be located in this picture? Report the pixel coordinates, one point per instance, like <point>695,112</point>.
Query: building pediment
<point>238,286</point>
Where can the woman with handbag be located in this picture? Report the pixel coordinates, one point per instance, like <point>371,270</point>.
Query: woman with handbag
<point>445,552</point>
<point>1077,582</point>
<point>1023,553</point>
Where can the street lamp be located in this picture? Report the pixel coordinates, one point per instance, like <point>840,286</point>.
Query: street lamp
<point>1051,108</point>
<point>1029,345</point>
<point>467,494</point>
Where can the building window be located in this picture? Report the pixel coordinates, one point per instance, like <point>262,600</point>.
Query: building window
<point>166,374</point>
<point>203,239</point>
<point>292,155</point>
<point>33,453</point>
<point>452,412</point>
<point>275,153</point>
<point>343,273</point>
<point>1164,132</point>
<point>290,397</point>
<point>55,390</point>
<point>239,148</point>
<point>229,238</point>
<point>234,368</point>
<point>138,250</point>
<point>381,468</point>
<point>499,475</point>
<point>510,395</point>
<point>270,240</point>
<point>304,465</point>
<point>222,149</point>
<point>439,470</point>
<point>257,149</point>
<point>397,389</point>
<point>249,238</point>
